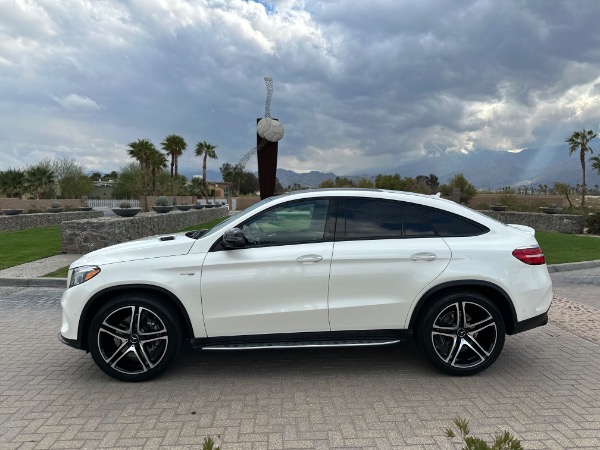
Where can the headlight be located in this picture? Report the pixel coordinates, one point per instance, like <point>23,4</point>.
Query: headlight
<point>83,274</point>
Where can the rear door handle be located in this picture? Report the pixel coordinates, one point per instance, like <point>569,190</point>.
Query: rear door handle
<point>309,258</point>
<point>424,256</point>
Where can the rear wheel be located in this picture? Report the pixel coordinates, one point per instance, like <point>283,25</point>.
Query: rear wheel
<point>134,338</point>
<point>462,333</point>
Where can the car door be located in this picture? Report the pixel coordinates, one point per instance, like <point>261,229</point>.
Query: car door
<point>385,254</point>
<point>276,283</point>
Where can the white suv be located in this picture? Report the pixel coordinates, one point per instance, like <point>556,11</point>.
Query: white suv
<point>313,268</point>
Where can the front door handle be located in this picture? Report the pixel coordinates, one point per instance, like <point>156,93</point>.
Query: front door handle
<point>309,258</point>
<point>424,256</point>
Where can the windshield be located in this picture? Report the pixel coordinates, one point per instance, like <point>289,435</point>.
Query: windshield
<point>226,223</point>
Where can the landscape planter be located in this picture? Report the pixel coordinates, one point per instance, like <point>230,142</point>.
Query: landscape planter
<point>85,208</point>
<point>199,206</point>
<point>183,207</point>
<point>126,212</point>
<point>55,210</point>
<point>499,207</point>
<point>12,212</point>
<point>550,210</point>
<point>162,209</point>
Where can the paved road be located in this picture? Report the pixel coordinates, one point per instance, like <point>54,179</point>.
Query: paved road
<point>544,388</point>
<point>580,285</point>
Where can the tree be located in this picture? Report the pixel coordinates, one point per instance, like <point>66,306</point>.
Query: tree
<point>249,184</point>
<point>233,174</point>
<point>205,150</point>
<point>39,180</point>
<point>596,163</point>
<point>141,151</point>
<point>467,190</point>
<point>579,140</point>
<point>12,183</point>
<point>114,175</point>
<point>71,178</point>
<point>563,189</point>
<point>174,146</point>
<point>157,161</point>
<point>339,182</point>
<point>129,183</point>
<point>95,176</point>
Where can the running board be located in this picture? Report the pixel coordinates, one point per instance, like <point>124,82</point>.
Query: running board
<point>307,344</point>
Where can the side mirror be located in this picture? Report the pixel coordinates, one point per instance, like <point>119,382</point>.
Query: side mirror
<point>234,238</point>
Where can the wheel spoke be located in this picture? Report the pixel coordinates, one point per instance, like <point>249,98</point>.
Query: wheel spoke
<point>114,332</point>
<point>130,350</point>
<point>440,333</point>
<point>452,312</point>
<point>470,345</point>
<point>454,350</point>
<point>117,354</point>
<point>481,326</point>
<point>116,316</point>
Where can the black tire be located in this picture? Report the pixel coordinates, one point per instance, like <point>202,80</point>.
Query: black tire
<point>134,337</point>
<point>461,333</point>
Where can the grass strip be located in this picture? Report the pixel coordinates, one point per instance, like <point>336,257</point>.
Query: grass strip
<point>23,246</point>
<point>566,248</point>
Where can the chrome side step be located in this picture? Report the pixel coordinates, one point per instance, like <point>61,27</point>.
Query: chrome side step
<point>307,344</point>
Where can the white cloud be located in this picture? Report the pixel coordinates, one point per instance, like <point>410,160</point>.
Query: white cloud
<point>77,103</point>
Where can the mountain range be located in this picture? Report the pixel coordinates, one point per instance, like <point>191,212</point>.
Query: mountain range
<point>484,169</point>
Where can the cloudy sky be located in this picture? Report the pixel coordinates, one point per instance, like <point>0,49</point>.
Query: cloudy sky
<point>361,86</point>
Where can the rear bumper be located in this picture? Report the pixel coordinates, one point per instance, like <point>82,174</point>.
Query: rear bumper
<point>529,324</point>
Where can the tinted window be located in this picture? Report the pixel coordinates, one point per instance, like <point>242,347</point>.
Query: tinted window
<point>298,222</point>
<point>415,223</point>
<point>450,225</point>
<point>367,218</point>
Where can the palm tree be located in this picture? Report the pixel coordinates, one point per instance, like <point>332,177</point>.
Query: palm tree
<point>39,179</point>
<point>205,150</point>
<point>174,145</point>
<point>580,140</point>
<point>12,183</point>
<point>156,162</point>
<point>141,150</point>
<point>596,163</point>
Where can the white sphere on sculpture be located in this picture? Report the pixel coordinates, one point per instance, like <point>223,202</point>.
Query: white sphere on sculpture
<point>270,129</point>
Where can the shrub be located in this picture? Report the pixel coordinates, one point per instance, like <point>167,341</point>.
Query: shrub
<point>504,441</point>
<point>125,205</point>
<point>162,201</point>
<point>56,205</point>
<point>593,223</point>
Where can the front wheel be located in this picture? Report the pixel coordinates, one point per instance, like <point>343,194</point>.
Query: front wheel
<point>462,333</point>
<point>134,338</point>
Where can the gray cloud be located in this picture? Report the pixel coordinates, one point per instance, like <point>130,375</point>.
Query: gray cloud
<point>360,86</point>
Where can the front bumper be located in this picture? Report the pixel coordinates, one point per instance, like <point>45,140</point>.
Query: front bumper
<point>75,343</point>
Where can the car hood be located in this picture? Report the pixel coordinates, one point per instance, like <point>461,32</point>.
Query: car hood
<point>150,247</point>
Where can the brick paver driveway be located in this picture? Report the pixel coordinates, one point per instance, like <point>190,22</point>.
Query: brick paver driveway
<point>544,387</point>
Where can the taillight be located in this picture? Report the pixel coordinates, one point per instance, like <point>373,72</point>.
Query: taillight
<point>534,256</point>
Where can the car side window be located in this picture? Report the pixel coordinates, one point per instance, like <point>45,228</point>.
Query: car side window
<point>296,223</point>
<point>367,218</point>
<point>415,223</point>
<point>447,224</point>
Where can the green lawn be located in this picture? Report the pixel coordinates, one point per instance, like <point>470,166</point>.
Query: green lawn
<point>23,246</point>
<point>565,248</point>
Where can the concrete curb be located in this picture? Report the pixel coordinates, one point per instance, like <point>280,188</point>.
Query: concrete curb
<point>573,266</point>
<point>62,282</point>
<point>34,282</point>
